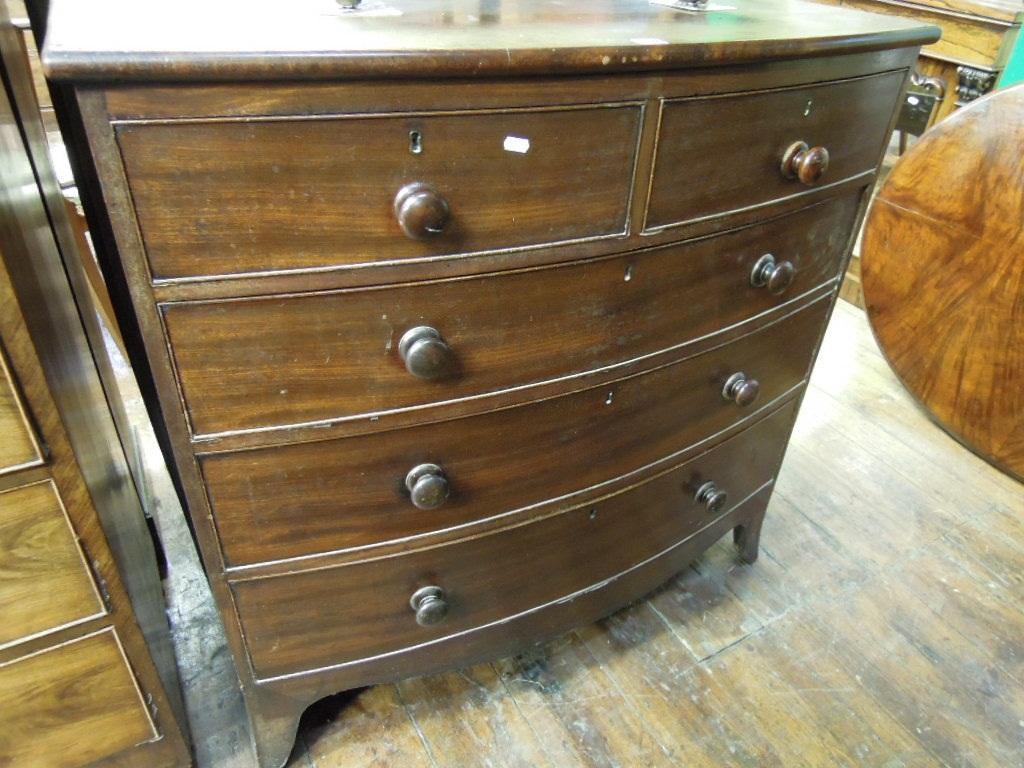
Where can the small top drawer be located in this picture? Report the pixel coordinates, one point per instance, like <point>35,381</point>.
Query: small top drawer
<point>721,154</point>
<point>220,197</point>
<point>288,360</point>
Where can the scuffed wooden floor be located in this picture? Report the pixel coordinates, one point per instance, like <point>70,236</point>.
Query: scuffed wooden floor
<point>882,626</point>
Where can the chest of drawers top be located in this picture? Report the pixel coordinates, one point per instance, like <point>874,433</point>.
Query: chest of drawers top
<point>326,39</point>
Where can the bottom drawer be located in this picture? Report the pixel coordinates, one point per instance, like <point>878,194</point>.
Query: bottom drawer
<point>71,705</point>
<point>332,616</point>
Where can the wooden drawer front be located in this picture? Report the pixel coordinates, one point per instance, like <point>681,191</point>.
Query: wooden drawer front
<point>70,706</point>
<point>274,361</point>
<point>722,154</point>
<point>18,445</point>
<point>335,615</point>
<point>314,497</point>
<point>44,581</point>
<point>228,197</point>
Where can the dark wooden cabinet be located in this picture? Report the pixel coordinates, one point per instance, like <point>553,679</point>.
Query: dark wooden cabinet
<point>78,686</point>
<point>87,675</point>
<point>469,325</point>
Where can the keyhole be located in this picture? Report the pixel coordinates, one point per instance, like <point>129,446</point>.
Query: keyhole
<point>807,109</point>
<point>608,400</point>
<point>629,273</point>
<point>415,142</point>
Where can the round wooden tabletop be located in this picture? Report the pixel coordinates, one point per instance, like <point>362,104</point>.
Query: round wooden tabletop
<point>943,272</point>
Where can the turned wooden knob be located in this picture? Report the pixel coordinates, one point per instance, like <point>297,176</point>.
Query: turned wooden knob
<point>808,164</point>
<point>425,353</point>
<point>741,390</point>
<point>430,606</point>
<point>775,276</point>
<point>427,485</point>
<point>421,210</point>
<point>712,497</point>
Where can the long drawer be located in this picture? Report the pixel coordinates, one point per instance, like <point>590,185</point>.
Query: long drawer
<point>268,362</point>
<point>313,497</point>
<point>327,617</point>
<point>725,153</point>
<point>218,197</point>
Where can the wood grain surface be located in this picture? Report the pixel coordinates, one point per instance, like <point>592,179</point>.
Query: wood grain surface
<point>45,583</point>
<point>19,447</point>
<point>943,271</point>
<point>71,705</point>
<point>232,197</point>
<point>274,361</point>
<point>700,172</point>
<point>116,39</point>
<point>880,627</point>
<point>487,579</point>
<point>69,696</point>
<point>297,615</point>
<point>323,496</point>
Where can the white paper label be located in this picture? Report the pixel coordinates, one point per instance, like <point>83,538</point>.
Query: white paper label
<point>517,144</point>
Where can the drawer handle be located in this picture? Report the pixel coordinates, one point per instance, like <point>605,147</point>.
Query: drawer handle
<point>421,210</point>
<point>741,390</point>
<point>808,164</point>
<point>712,497</point>
<point>428,486</point>
<point>777,277</point>
<point>425,353</point>
<point>430,605</point>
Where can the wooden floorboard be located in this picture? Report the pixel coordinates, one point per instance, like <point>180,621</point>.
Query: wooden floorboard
<point>882,626</point>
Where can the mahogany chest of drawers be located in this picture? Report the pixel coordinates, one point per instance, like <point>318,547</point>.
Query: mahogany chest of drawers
<point>467,322</point>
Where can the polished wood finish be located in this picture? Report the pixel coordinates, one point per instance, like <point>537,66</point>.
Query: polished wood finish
<point>805,164</point>
<point>435,391</point>
<point>888,582</point>
<point>739,163</point>
<point>943,265</point>
<point>422,212</point>
<point>486,578</point>
<point>118,40</point>
<point>78,682</point>
<point>500,465</point>
<point>278,361</point>
<point>45,582</point>
<point>67,620</point>
<point>235,213</point>
<point>19,448</point>
<point>71,705</point>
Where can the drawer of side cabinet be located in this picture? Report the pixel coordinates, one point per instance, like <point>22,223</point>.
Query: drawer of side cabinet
<point>19,447</point>
<point>296,500</point>
<point>70,706</point>
<point>44,581</point>
<point>274,361</point>
<point>341,614</point>
<point>257,195</point>
<point>721,154</point>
